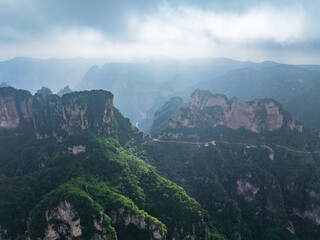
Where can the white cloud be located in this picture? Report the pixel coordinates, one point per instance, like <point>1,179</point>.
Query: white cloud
<point>255,25</point>
<point>181,33</point>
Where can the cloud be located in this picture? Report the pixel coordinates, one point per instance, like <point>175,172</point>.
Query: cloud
<point>250,30</point>
<point>256,25</point>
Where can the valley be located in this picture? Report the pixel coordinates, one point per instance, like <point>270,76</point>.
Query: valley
<point>160,120</point>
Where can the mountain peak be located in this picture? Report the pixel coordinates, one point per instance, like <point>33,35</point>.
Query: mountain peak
<point>56,116</point>
<point>207,110</point>
<point>4,84</point>
<point>65,90</point>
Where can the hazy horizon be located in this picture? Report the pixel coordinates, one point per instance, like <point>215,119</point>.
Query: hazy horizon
<point>138,59</point>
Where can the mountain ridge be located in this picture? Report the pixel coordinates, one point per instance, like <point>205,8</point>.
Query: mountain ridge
<point>257,180</point>
<point>207,110</point>
<point>53,115</point>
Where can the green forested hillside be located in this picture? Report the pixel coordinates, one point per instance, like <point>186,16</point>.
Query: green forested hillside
<point>259,192</point>
<point>90,185</point>
<point>75,168</point>
<point>257,184</point>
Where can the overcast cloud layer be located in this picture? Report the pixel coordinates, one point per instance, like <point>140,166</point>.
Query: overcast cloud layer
<point>285,31</point>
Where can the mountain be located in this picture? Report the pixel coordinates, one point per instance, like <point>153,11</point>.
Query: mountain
<point>251,166</point>
<point>140,86</point>
<point>51,115</point>
<point>71,167</point>
<point>32,74</point>
<point>207,111</point>
<point>65,90</point>
<point>4,85</point>
<point>143,85</point>
<point>44,91</point>
<point>295,87</point>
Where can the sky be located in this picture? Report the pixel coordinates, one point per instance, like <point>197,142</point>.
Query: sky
<point>286,31</point>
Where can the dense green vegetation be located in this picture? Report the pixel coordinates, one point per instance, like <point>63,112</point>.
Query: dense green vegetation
<point>107,182</point>
<point>255,185</point>
<point>215,174</point>
<point>113,181</point>
<point>83,208</point>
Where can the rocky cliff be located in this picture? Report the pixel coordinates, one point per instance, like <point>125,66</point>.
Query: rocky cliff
<point>68,213</point>
<point>207,110</point>
<point>56,116</point>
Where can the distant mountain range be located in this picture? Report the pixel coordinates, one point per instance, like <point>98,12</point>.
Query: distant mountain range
<point>141,86</point>
<point>297,88</point>
<point>32,74</point>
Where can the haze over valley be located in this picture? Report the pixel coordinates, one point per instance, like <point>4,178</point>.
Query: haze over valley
<point>182,120</point>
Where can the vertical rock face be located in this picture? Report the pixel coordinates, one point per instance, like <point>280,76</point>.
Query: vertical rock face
<point>65,223</point>
<point>53,115</point>
<point>74,116</point>
<point>256,116</point>
<point>14,106</point>
<point>9,117</point>
<point>246,190</point>
<point>211,110</point>
<point>26,107</point>
<point>62,223</point>
<point>124,217</point>
<point>108,112</point>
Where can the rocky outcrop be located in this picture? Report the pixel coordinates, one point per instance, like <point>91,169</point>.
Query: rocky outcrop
<point>3,233</point>
<point>125,217</point>
<point>63,223</point>
<point>15,105</point>
<point>69,213</point>
<point>56,116</point>
<point>76,149</point>
<point>313,194</point>
<point>9,117</point>
<point>207,110</point>
<point>312,214</point>
<point>246,190</point>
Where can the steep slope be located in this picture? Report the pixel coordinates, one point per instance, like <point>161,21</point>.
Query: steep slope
<point>251,166</point>
<point>70,169</point>
<point>54,116</point>
<point>248,191</point>
<point>207,111</point>
<point>170,108</point>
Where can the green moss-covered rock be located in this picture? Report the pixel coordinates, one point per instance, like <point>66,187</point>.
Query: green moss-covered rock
<point>69,212</point>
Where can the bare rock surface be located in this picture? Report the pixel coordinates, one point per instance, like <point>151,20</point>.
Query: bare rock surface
<point>54,116</point>
<point>207,110</point>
